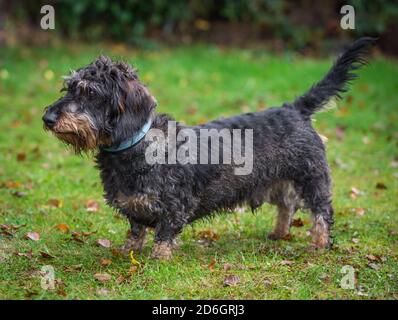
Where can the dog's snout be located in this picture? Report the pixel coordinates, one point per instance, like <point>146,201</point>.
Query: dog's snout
<point>50,118</point>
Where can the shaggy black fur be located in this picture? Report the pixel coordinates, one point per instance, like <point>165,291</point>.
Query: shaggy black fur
<point>289,168</point>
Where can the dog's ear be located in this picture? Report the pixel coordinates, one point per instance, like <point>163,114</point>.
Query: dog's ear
<point>132,106</point>
<point>138,98</point>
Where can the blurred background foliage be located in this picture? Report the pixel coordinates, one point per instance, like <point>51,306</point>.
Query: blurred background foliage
<point>299,25</point>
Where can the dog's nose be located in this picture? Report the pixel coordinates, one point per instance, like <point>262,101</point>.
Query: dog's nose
<point>50,118</point>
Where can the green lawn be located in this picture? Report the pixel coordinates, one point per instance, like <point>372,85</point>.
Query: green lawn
<point>43,185</point>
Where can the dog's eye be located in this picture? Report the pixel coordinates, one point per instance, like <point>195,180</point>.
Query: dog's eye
<point>91,93</point>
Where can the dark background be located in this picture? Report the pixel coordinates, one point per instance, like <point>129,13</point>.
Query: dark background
<point>304,25</point>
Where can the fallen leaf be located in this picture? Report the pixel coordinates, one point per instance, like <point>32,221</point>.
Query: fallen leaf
<point>46,255</point>
<point>120,279</point>
<point>354,193</point>
<point>340,133</point>
<point>61,292</point>
<point>288,237</point>
<point>21,156</point>
<point>92,206</point>
<point>35,236</point>
<point>231,280</point>
<point>11,227</point>
<point>106,262</point>
<point>227,266</point>
<point>19,194</point>
<point>80,236</point>
<point>73,268</point>
<point>104,243</point>
<point>133,269</point>
<point>374,266</point>
<point>298,223</point>
<point>381,186</point>
<point>192,110</point>
<point>212,264</point>
<point>267,283</point>
<point>30,293</point>
<point>28,254</point>
<point>62,227</point>
<point>355,240</point>
<point>13,184</point>
<point>287,262</point>
<point>360,211</point>
<point>208,234</point>
<point>55,203</point>
<point>134,262</point>
<point>102,277</point>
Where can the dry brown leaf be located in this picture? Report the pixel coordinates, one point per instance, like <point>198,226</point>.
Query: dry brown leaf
<point>133,269</point>
<point>106,262</point>
<point>212,264</point>
<point>298,223</point>
<point>102,277</point>
<point>340,133</point>
<point>73,268</point>
<point>120,279</point>
<point>104,243</point>
<point>46,255</point>
<point>231,280</point>
<point>208,234</point>
<point>92,205</point>
<point>19,194</point>
<point>21,156</point>
<point>381,186</point>
<point>35,236</point>
<point>55,203</point>
<point>374,266</point>
<point>354,193</point>
<point>62,227</point>
<point>287,263</point>
<point>13,184</point>
<point>28,254</point>
<point>227,266</point>
<point>360,211</point>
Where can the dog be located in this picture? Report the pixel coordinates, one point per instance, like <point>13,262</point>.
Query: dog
<point>108,111</point>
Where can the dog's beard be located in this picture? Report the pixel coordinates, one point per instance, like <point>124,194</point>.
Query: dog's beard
<point>76,130</point>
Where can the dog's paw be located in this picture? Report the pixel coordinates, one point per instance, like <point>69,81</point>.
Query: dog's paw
<point>162,250</point>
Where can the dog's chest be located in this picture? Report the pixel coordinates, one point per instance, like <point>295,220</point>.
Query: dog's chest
<point>124,187</point>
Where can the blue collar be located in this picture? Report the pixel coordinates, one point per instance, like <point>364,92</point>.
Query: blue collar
<point>130,142</point>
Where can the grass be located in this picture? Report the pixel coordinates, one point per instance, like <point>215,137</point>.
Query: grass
<point>196,84</point>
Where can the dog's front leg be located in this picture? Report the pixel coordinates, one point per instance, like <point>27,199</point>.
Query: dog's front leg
<point>136,238</point>
<point>165,242</point>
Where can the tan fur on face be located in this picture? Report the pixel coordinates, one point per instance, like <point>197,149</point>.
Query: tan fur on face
<point>77,131</point>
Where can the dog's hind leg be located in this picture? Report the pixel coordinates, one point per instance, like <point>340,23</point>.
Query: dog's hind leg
<point>136,238</point>
<point>282,227</point>
<point>285,197</point>
<point>317,198</point>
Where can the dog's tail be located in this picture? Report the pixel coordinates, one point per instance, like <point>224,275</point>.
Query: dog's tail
<point>336,80</point>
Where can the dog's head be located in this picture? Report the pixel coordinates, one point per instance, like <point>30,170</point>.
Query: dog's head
<point>104,104</point>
